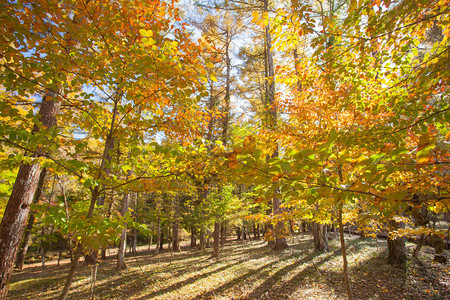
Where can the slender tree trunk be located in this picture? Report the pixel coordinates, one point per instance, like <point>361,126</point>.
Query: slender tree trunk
<point>344,256</point>
<point>280,240</point>
<point>158,234</point>
<point>223,233</point>
<point>135,232</point>
<point>176,225</point>
<point>202,238</point>
<point>79,248</point>
<point>42,247</point>
<point>193,239</point>
<point>150,242</point>
<point>419,246</point>
<point>216,241</point>
<point>109,145</point>
<point>16,212</point>
<point>121,265</point>
<point>27,235</point>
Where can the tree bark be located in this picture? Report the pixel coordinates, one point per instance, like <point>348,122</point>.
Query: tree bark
<point>16,212</point>
<point>27,235</point>
<point>396,246</point>
<point>320,236</point>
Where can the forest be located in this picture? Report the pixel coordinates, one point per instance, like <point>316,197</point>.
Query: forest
<point>224,149</point>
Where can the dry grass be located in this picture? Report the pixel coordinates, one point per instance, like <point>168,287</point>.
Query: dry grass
<point>247,270</point>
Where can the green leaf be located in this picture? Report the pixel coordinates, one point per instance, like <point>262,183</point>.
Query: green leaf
<point>286,168</point>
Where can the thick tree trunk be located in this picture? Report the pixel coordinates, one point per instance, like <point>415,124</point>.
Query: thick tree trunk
<point>216,242</point>
<point>16,212</point>
<point>396,246</point>
<point>320,236</point>
<point>27,235</point>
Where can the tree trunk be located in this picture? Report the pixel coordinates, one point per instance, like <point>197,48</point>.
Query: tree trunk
<point>161,241</point>
<point>16,212</point>
<point>396,246</point>
<point>79,248</point>
<point>223,233</point>
<point>27,235</point>
<point>280,240</point>
<point>238,232</point>
<point>202,238</point>
<point>419,246</point>
<point>176,226</point>
<point>42,247</point>
<point>344,255</point>
<point>158,235</point>
<point>135,231</point>
<point>216,242</point>
<point>320,236</point>
<point>193,239</point>
<point>150,242</point>
<point>121,265</point>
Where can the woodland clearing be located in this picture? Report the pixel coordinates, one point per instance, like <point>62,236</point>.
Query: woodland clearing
<point>247,270</point>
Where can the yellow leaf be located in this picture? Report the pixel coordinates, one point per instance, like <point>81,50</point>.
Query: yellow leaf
<point>213,78</point>
<point>146,33</point>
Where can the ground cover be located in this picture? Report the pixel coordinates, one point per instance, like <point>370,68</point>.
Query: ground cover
<point>247,270</point>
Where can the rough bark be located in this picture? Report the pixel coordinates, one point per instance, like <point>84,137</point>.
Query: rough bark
<point>16,212</point>
<point>320,236</point>
<point>396,246</point>
<point>27,235</point>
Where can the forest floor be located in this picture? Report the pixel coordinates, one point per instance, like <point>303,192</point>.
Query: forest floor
<point>247,270</point>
